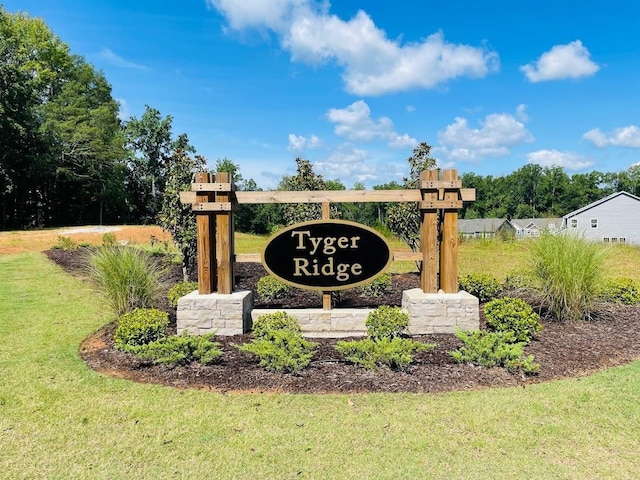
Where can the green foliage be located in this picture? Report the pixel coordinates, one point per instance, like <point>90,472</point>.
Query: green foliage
<point>403,218</point>
<point>377,287</point>
<point>181,350</point>
<point>65,243</point>
<point>481,285</point>
<point>386,322</point>
<point>265,325</point>
<point>518,280</point>
<point>513,315</point>
<point>139,327</point>
<point>282,350</point>
<point>109,240</point>
<point>569,271</point>
<point>395,352</point>
<point>270,289</point>
<point>494,349</point>
<point>621,290</point>
<point>179,290</point>
<point>126,276</point>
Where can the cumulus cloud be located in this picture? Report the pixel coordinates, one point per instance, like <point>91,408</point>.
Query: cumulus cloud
<point>372,63</point>
<point>497,132</point>
<point>355,123</point>
<point>348,163</point>
<point>620,137</point>
<point>299,143</point>
<point>555,158</point>
<point>118,61</point>
<point>562,61</point>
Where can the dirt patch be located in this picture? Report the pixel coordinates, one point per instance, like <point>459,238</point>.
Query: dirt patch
<point>563,350</point>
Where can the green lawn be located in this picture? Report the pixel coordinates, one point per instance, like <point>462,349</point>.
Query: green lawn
<point>59,419</point>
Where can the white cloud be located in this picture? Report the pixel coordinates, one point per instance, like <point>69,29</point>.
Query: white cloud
<point>299,143</point>
<point>123,112</point>
<point>496,134</point>
<point>562,61</point>
<point>355,123</point>
<point>620,137</point>
<point>373,64</point>
<point>348,164</point>
<point>410,108</point>
<point>118,61</point>
<point>555,158</point>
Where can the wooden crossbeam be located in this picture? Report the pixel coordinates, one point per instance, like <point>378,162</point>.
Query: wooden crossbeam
<point>211,187</point>
<point>212,207</point>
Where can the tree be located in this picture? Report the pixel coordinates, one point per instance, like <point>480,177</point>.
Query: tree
<point>176,218</point>
<point>404,218</point>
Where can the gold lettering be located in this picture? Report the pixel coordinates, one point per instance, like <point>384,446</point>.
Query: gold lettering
<point>300,235</point>
<point>300,267</point>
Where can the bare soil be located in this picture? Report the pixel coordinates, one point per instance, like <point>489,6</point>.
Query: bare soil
<point>563,349</point>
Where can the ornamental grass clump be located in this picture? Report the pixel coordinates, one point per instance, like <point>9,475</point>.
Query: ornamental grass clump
<point>568,271</point>
<point>127,277</point>
<point>384,344</point>
<point>279,344</point>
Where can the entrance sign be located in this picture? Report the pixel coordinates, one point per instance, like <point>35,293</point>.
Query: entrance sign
<point>327,255</point>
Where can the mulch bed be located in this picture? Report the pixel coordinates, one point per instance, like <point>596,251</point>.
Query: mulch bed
<point>563,349</point>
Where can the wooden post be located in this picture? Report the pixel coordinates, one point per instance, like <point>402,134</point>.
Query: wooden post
<point>429,238</point>
<point>224,239</point>
<point>449,241</point>
<point>206,233</point>
<point>326,296</point>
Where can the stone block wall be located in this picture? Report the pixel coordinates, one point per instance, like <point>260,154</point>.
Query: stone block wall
<point>225,314</point>
<point>440,312</point>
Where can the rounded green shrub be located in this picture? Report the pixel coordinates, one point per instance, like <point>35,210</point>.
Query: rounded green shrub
<point>377,287</point>
<point>621,290</point>
<point>270,289</point>
<point>179,290</point>
<point>481,285</point>
<point>181,350</point>
<point>139,327</point>
<point>512,315</point>
<point>386,322</point>
<point>282,350</point>
<point>265,325</point>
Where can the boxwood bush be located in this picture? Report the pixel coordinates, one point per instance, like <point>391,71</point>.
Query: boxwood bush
<point>512,315</point>
<point>179,290</point>
<point>139,327</point>
<point>481,285</point>
<point>621,290</point>
<point>181,350</point>
<point>270,289</point>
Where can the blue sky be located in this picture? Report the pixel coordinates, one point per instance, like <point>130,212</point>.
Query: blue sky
<point>353,86</point>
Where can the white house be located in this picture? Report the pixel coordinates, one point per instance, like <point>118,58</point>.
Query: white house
<point>613,219</point>
<point>533,227</point>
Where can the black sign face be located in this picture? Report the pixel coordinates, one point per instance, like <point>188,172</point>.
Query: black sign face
<point>327,255</point>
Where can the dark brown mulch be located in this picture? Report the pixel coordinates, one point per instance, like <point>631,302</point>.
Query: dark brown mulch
<point>563,349</point>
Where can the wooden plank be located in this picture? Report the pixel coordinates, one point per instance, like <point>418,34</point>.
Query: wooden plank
<point>326,210</point>
<point>407,256</point>
<point>212,207</point>
<point>440,184</point>
<point>468,194</point>
<point>224,238</point>
<point>326,300</point>
<point>248,258</point>
<point>434,204</point>
<point>211,187</point>
<point>449,243</point>
<point>332,196</point>
<point>429,238</point>
<point>205,226</point>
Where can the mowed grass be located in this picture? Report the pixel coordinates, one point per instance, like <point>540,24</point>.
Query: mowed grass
<point>61,420</point>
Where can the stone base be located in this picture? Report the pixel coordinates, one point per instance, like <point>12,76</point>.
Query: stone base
<point>316,322</point>
<point>440,312</point>
<point>223,314</point>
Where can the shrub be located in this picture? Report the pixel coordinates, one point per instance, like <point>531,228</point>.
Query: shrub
<point>109,240</point>
<point>181,350</point>
<point>386,322</point>
<point>128,277</point>
<point>266,324</point>
<point>513,315</point>
<point>621,290</point>
<point>569,271</point>
<point>494,349</point>
<point>139,327</point>
<point>395,352</point>
<point>481,285</point>
<point>377,287</point>
<point>270,289</point>
<point>65,243</point>
<point>179,290</point>
<point>282,350</point>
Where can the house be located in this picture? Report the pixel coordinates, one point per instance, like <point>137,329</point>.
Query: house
<point>613,219</point>
<point>484,227</point>
<point>533,227</point>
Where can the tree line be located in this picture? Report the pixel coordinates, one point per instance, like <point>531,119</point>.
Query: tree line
<point>66,158</point>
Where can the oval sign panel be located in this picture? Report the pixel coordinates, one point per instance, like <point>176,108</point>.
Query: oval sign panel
<point>327,255</point>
